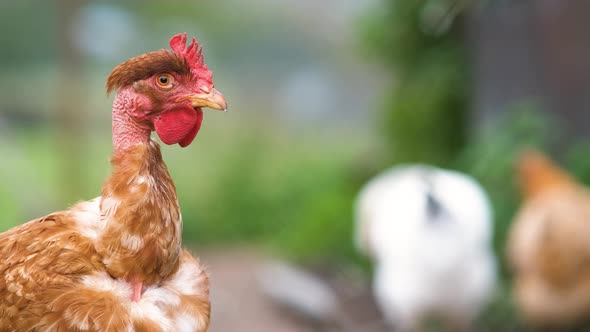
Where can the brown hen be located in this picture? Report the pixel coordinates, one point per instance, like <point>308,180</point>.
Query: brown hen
<point>115,263</point>
<point>549,245</point>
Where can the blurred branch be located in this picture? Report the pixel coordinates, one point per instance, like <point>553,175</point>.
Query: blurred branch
<point>454,9</point>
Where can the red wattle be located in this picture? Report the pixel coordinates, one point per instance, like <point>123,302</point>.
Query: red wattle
<point>188,139</point>
<point>178,126</point>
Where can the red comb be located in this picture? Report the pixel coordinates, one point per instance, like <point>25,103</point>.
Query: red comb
<point>193,55</point>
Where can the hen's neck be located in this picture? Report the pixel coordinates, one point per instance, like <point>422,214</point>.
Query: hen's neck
<point>126,131</point>
<point>142,235</point>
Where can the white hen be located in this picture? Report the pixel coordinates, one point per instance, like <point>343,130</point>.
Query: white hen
<point>428,232</point>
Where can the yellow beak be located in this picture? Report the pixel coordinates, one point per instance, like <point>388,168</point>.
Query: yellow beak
<point>213,100</point>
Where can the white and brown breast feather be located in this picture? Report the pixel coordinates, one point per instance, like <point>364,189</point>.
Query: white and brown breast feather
<point>70,270</point>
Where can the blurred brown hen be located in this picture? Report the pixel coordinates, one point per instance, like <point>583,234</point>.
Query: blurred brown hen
<point>115,263</point>
<point>549,245</point>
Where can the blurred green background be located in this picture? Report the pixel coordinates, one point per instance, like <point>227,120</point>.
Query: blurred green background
<point>322,96</point>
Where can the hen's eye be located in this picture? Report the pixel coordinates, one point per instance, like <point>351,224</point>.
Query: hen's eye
<point>165,81</point>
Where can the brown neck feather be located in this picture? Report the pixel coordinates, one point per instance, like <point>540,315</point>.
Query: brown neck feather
<point>142,236</point>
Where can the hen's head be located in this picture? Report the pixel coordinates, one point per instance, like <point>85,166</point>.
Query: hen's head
<point>168,90</point>
<point>536,173</point>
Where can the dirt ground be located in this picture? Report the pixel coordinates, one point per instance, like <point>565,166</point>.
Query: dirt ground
<point>238,303</point>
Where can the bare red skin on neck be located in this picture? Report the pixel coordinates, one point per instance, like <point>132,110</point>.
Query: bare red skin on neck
<point>132,125</point>
<point>136,289</point>
<point>127,130</point>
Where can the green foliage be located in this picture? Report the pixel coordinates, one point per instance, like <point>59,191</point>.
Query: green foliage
<point>323,227</point>
<point>424,118</point>
<point>425,121</point>
<point>576,158</point>
<point>490,159</point>
<point>502,313</point>
<point>402,35</point>
<point>289,194</point>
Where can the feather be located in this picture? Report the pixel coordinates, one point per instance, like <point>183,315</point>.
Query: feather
<point>428,232</point>
<point>548,247</point>
<point>114,263</point>
<point>57,277</point>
